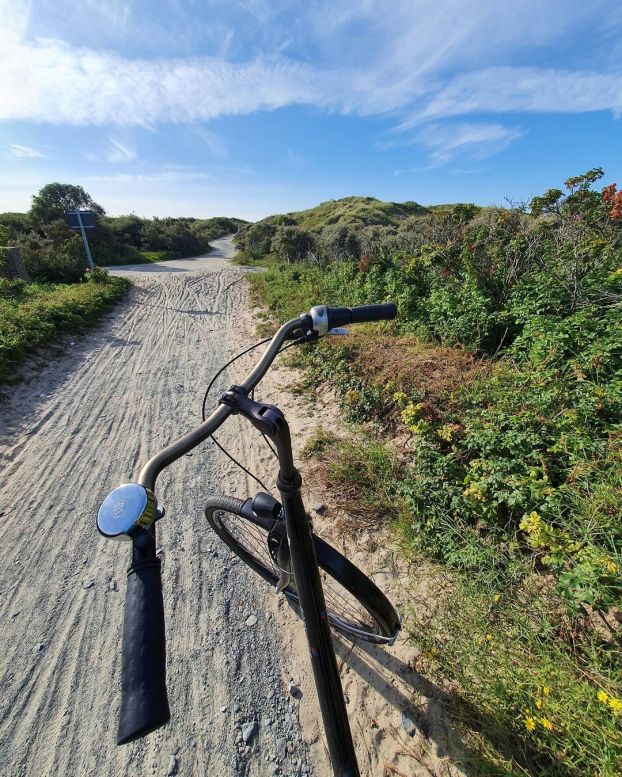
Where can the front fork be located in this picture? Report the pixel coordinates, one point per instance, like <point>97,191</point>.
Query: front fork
<point>271,422</point>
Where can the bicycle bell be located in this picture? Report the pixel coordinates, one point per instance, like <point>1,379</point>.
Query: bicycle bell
<point>126,511</point>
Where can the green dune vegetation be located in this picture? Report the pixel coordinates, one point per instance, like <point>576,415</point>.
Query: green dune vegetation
<point>488,434</point>
<point>61,296</point>
<point>350,211</point>
<point>303,234</point>
<point>35,314</point>
<point>52,252</point>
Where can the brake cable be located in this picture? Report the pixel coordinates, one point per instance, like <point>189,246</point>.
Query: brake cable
<point>213,380</point>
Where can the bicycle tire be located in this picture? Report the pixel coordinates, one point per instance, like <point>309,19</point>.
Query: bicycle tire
<point>377,621</point>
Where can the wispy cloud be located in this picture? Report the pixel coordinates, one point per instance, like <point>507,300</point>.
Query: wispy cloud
<point>470,141</point>
<point>156,176</point>
<point>399,58</point>
<point>25,152</point>
<point>295,161</point>
<point>409,60</point>
<point>118,152</point>
<point>523,89</point>
<point>215,143</point>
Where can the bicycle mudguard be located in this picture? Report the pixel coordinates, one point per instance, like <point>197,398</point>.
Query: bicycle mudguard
<point>357,582</point>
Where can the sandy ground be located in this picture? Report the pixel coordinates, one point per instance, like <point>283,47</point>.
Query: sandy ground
<point>81,419</point>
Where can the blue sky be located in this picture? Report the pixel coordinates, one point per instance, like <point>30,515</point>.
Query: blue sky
<point>251,107</point>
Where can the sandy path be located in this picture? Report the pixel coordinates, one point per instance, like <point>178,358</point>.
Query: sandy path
<point>83,418</point>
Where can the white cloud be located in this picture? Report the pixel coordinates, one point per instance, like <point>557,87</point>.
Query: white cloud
<point>215,143</point>
<point>473,141</point>
<point>381,57</point>
<point>157,176</point>
<point>523,89</point>
<point>117,152</point>
<point>52,82</point>
<point>25,152</point>
<point>420,61</point>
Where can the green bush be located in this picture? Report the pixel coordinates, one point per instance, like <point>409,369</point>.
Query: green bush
<point>512,482</point>
<point>40,312</point>
<point>291,244</point>
<point>11,289</point>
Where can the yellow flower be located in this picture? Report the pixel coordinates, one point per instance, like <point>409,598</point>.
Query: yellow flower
<point>400,397</point>
<point>473,492</point>
<point>489,637</point>
<point>352,396</point>
<point>616,705</point>
<point>612,567</point>
<point>496,598</point>
<point>530,723</point>
<point>539,703</point>
<point>546,690</point>
<point>602,697</point>
<point>447,431</point>
<point>546,723</point>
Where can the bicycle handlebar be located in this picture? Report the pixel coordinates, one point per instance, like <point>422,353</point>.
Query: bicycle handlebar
<point>320,320</point>
<point>325,318</point>
<point>175,450</point>
<point>144,704</point>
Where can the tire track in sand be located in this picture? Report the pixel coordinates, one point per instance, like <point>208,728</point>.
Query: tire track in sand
<point>83,419</point>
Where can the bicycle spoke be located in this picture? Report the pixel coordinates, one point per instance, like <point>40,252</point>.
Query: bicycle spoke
<point>341,605</point>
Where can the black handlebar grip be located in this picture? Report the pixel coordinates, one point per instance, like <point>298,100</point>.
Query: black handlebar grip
<point>144,702</point>
<point>360,315</point>
<point>384,312</point>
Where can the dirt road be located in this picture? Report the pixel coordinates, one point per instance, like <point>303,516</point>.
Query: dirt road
<point>82,420</point>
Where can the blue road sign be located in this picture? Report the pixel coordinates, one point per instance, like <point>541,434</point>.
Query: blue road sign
<point>81,220</point>
<point>74,217</point>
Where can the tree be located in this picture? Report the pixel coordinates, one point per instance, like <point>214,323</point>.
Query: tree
<point>56,198</point>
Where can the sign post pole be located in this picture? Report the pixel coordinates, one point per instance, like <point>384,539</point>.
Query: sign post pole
<point>86,242</point>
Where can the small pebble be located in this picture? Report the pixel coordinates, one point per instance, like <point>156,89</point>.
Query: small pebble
<point>223,709</point>
<point>410,727</point>
<point>173,765</point>
<point>251,620</point>
<point>88,584</point>
<point>248,731</point>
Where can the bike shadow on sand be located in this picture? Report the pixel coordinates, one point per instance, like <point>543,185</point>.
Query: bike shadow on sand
<point>436,713</point>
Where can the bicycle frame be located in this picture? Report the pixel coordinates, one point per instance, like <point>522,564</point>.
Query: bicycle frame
<point>271,421</point>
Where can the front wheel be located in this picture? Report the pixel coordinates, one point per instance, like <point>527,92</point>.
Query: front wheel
<point>355,605</point>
